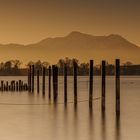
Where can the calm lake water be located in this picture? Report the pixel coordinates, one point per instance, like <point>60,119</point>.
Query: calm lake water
<point>26,116</point>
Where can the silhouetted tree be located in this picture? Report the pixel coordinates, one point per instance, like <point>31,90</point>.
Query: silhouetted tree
<point>128,63</point>
<point>16,64</point>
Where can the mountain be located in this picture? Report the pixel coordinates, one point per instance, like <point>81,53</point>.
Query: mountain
<point>74,45</point>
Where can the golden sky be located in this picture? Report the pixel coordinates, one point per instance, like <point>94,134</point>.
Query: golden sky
<point>29,21</point>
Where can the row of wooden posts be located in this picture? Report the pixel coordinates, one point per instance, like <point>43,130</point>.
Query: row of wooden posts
<point>13,86</point>
<point>53,71</point>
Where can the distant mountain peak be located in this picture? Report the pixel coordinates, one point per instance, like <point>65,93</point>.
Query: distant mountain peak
<point>77,34</point>
<point>118,38</point>
<point>115,36</point>
<point>12,45</point>
<point>74,45</point>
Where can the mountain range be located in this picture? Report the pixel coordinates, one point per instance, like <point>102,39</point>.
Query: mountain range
<point>74,45</point>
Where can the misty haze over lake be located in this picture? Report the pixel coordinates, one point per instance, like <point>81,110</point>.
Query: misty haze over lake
<point>31,116</point>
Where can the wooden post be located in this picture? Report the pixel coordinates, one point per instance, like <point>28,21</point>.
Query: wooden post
<point>32,78</point>
<point>56,69</point>
<point>11,86</point>
<point>43,81</point>
<point>37,81</point>
<point>117,86</point>
<point>55,82</point>
<point>14,85</point>
<point>7,86</point>
<point>4,87</point>
<point>26,86</point>
<point>103,84</point>
<point>75,81</point>
<point>91,81</point>
<point>22,85</point>
<point>28,77</point>
<point>1,85</point>
<point>65,83</point>
<point>17,87</point>
<point>53,74</point>
<point>49,82</point>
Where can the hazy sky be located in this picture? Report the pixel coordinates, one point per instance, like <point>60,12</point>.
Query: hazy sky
<point>28,21</point>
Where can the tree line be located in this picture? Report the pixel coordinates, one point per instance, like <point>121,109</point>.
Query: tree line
<point>13,67</point>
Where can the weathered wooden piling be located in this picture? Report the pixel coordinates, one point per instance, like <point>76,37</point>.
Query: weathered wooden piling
<point>49,74</point>
<point>91,81</point>
<point>17,86</point>
<point>57,73</point>
<point>22,86</point>
<point>30,79</point>
<point>6,85</point>
<point>55,82</point>
<point>11,86</point>
<point>43,80</point>
<point>117,86</point>
<point>26,86</point>
<point>65,83</point>
<point>14,85</point>
<point>103,72</point>
<point>33,78</point>
<point>2,85</point>
<point>38,88</point>
<point>53,75</point>
<point>75,81</point>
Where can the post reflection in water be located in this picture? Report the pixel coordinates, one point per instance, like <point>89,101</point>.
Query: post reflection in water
<point>65,121</point>
<point>91,131</point>
<point>75,123</point>
<point>118,129</point>
<point>103,125</point>
<point>55,121</point>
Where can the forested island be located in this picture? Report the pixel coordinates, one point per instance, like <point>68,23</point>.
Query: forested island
<point>13,68</point>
